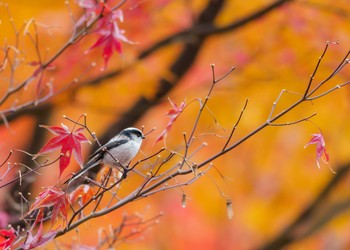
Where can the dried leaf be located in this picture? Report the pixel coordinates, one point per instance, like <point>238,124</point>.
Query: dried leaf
<point>229,209</point>
<point>82,192</point>
<point>184,200</point>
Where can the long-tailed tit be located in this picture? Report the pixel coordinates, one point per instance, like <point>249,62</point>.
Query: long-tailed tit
<point>117,152</point>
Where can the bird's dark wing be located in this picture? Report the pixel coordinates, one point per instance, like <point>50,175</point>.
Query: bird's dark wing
<point>98,154</point>
<point>96,158</point>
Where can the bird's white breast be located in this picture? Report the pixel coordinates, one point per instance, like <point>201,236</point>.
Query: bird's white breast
<point>123,153</point>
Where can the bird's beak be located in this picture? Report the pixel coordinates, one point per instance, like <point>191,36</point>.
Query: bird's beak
<point>143,137</point>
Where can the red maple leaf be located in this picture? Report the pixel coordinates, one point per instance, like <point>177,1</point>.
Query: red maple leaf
<point>318,140</point>
<point>52,198</point>
<point>110,35</point>
<point>173,114</point>
<point>92,9</point>
<point>39,239</point>
<point>110,43</point>
<point>7,237</point>
<point>68,141</point>
<point>320,148</point>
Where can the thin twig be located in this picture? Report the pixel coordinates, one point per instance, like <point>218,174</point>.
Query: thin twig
<point>236,124</point>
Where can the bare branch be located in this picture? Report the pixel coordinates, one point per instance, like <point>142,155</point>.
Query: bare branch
<point>293,122</point>
<point>236,124</point>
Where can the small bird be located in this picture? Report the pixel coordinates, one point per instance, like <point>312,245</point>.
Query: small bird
<point>117,152</point>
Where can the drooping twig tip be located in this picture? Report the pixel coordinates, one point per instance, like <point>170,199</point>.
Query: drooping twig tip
<point>229,209</point>
<point>184,200</point>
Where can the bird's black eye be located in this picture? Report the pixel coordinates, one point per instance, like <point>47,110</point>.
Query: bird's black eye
<point>139,134</point>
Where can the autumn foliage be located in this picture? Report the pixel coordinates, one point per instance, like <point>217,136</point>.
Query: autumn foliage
<point>226,95</point>
<point>69,143</point>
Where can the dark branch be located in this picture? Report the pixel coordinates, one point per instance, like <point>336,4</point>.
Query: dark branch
<point>178,68</point>
<point>288,235</point>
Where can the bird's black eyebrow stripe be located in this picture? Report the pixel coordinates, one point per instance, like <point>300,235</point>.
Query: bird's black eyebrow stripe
<point>128,133</point>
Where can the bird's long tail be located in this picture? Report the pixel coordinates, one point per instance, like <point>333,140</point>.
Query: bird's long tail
<point>85,169</point>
